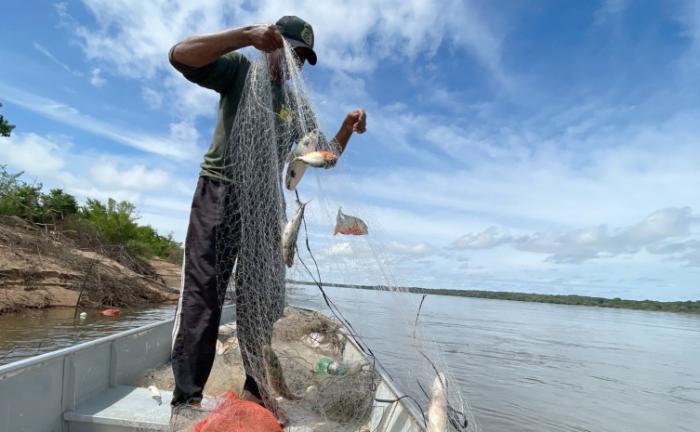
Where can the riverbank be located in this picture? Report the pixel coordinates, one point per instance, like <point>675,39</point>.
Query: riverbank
<point>574,300</point>
<point>40,269</point>
<point>54,293</point>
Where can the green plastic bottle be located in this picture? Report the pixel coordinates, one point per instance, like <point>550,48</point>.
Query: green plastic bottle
<point>328,366</point>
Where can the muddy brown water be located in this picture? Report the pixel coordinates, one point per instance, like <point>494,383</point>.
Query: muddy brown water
<point>523,366</point>
<point>37,331</point>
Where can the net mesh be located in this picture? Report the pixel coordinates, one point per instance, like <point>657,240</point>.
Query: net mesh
<point>326,386</point>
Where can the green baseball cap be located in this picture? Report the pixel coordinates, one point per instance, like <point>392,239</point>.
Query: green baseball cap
<point>299,34</point>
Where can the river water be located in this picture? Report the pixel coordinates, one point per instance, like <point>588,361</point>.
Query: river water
<point>522,366</point>
<point>34,332</point>
<point>541,367</point>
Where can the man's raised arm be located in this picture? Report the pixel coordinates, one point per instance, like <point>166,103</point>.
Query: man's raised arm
<point>355,121</point>
<point>200,50</point>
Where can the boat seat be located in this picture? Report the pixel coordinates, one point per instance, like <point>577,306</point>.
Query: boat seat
<point>121,408</point>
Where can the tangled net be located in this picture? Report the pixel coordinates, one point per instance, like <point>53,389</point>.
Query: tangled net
<point>326,388</point>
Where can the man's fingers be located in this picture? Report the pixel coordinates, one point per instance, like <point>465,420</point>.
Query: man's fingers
<point>279,42</point>
<point>360,124</point>
<point>274,37</point>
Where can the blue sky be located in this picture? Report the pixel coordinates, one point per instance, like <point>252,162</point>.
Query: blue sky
<point>544,146</point>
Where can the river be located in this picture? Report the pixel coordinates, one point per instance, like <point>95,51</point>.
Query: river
<point>542,367</point>
<point>37,331</point>
<point>523,366</point>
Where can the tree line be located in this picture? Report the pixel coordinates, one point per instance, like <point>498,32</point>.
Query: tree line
<point>689,306</point>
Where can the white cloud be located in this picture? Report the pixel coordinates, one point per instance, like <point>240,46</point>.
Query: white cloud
<point>136,178</point>
<point>349,36</point>
<point>343,249</point>
<point>132,38</point>
<point>657,233</point>
<point>356,36</point>
<point>411,250</point>
<point>32,153</point>
<point>487,239</point>
<point>177,145</point>
<point>96,78</point>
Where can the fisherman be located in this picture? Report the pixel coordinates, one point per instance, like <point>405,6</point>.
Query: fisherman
<point>213,61</point>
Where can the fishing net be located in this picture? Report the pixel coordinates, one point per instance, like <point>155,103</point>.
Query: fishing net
<point>326,376</point>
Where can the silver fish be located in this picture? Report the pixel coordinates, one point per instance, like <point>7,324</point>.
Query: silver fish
<point>312,141</point>
<point>437,409</point>
<point>290,234</point>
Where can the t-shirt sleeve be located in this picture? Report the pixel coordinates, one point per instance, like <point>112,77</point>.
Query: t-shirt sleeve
<point>218,75</point>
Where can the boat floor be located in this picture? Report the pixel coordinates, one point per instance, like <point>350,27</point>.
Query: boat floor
<point>133,407</point>
<point>124,407</point>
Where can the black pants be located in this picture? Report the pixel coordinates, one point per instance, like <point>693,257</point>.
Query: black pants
<point>211,248</point>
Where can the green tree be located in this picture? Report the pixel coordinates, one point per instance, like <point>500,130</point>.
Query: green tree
<point>116,221</point>
<point>23,200</point>
<point>5,127</point>
<point>58,205</point>
<point>8,182</point>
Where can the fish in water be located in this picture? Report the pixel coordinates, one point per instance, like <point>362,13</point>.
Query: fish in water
<point>290,234</point>
<point>437,409</point>
<point>319,159</point>
<point>275,375</point>
<point>349,225</point>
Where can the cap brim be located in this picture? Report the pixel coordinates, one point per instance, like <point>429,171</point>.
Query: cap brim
<point>309,53</point>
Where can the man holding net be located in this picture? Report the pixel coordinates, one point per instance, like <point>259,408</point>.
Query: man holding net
<point>212,61</point>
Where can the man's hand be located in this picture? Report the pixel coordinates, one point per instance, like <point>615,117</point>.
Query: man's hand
<point>265,37</point>
<point>355,121</point>
<point>199,50</point>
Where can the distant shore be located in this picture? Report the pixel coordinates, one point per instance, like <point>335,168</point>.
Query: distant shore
<point>689,306</point>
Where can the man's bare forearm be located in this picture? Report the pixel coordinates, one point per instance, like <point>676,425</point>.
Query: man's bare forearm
<point>341,139</point>
<point>200,50</point>
<point>355,121</point>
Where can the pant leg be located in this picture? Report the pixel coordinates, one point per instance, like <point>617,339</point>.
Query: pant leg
<point>211,245</point>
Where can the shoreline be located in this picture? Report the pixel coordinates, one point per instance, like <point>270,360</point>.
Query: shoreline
<point>56,292</point>
<point>687,307</point>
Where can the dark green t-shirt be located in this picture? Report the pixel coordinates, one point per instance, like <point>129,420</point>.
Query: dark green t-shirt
<point>227,76</point>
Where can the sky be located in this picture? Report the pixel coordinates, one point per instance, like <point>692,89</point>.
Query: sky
<point>538,146</point>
